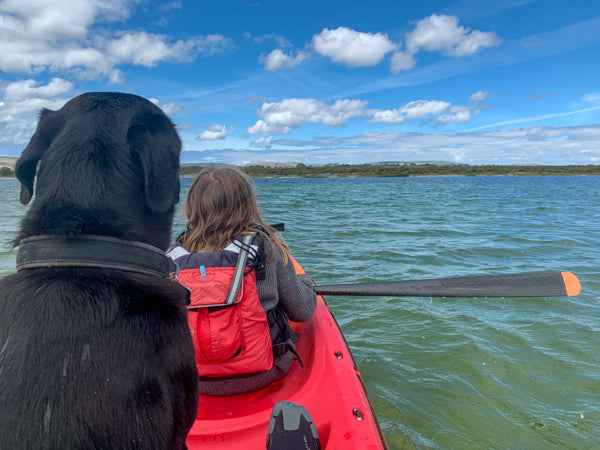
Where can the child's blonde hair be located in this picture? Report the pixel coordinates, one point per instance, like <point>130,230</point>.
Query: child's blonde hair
<point>220,204</point>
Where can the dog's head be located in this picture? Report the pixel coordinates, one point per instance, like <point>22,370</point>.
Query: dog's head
<point>101,154</point>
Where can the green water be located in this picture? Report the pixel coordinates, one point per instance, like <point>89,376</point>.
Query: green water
<point>447,372</point>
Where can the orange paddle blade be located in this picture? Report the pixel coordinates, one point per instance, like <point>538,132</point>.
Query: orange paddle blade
<point>572,284</point>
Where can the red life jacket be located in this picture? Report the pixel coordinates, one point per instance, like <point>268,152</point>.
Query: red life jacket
<point>228,338</point>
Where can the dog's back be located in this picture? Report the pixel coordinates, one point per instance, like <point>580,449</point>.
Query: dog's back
<point>97,357</point>
<point>99,362</point>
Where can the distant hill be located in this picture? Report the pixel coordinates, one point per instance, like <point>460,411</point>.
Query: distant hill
<point>418,163</point>
<point>272,164</point>
<point>379,169</point>
<point>7,161</point>
<point>276,164</point>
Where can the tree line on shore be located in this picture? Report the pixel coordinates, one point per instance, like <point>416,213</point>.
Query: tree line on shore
<point>404,170</point>
<point>6,172</point>
<point>392,170</point>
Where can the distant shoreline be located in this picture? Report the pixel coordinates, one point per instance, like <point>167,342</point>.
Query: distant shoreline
<point>404,170</point>
<point>7,165</point>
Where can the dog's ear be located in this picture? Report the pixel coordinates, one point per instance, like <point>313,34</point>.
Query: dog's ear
<point>26,165</point>
<point>157,145</point>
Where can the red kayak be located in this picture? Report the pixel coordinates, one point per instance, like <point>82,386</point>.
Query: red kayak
<point>329,386</point>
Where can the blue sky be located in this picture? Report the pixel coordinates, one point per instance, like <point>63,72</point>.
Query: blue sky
<point>476,82</point>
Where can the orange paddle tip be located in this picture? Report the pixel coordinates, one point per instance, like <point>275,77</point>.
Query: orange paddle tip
<point>572,284</point>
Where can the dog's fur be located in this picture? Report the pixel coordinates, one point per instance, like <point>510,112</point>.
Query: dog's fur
<point>97,358</point>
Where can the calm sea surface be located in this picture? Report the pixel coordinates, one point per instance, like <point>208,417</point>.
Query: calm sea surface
<point>449,372</point>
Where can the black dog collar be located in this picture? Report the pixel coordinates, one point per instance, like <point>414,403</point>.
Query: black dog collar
<point>47,251</point>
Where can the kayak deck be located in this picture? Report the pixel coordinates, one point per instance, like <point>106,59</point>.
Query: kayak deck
<point>329,386</point>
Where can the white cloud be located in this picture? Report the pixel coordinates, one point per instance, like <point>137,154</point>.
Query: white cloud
<point>283,117</point>
<point>169,109</point>
<point>262,142</point>
<point>442,33</point>
<point>479,95</point>
<point>141,48</point>
<point>24,98</point>
<point>279,40</point>
<point>58,19</point>
<point>420,108</point>
<point>289,114</point>
<point>148,50</point>
<point>388,116</point>
<point>278,59</point>
<point>474,42</point>
<point>352,48</point>
<point>402,61</point>
<point>171,6</point>
<point>63,37</point>
<point>22,101</point>
<point>24,89</point>
<point>457,114</point>
<point>215,132</point>
<point>409,111</point>
<point>592,97</point>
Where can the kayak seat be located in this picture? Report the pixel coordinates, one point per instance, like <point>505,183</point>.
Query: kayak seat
<point>291,428</point>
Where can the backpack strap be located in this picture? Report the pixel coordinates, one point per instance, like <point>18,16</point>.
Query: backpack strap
<point>282,335</point>
<point>239,271</point>
<point>259,268</point>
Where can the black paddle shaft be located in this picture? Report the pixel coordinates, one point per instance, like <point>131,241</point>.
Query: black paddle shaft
<point>511,285</point>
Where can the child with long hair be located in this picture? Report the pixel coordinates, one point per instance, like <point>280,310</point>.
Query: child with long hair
<point>221,209</point>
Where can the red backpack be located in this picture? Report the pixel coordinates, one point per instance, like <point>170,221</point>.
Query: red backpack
<point>228,323</point>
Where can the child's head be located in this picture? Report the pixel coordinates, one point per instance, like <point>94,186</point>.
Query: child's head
<point>220,204</point>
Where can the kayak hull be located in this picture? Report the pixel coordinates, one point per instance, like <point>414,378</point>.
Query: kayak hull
<point>329,386</point>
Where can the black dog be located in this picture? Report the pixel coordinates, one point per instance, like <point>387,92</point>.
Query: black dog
<point>95,350</point>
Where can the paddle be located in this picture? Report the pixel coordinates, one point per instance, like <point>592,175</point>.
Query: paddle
<point>555,284</point>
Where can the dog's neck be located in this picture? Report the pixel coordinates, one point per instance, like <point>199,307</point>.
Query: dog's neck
<point>51,251</point>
